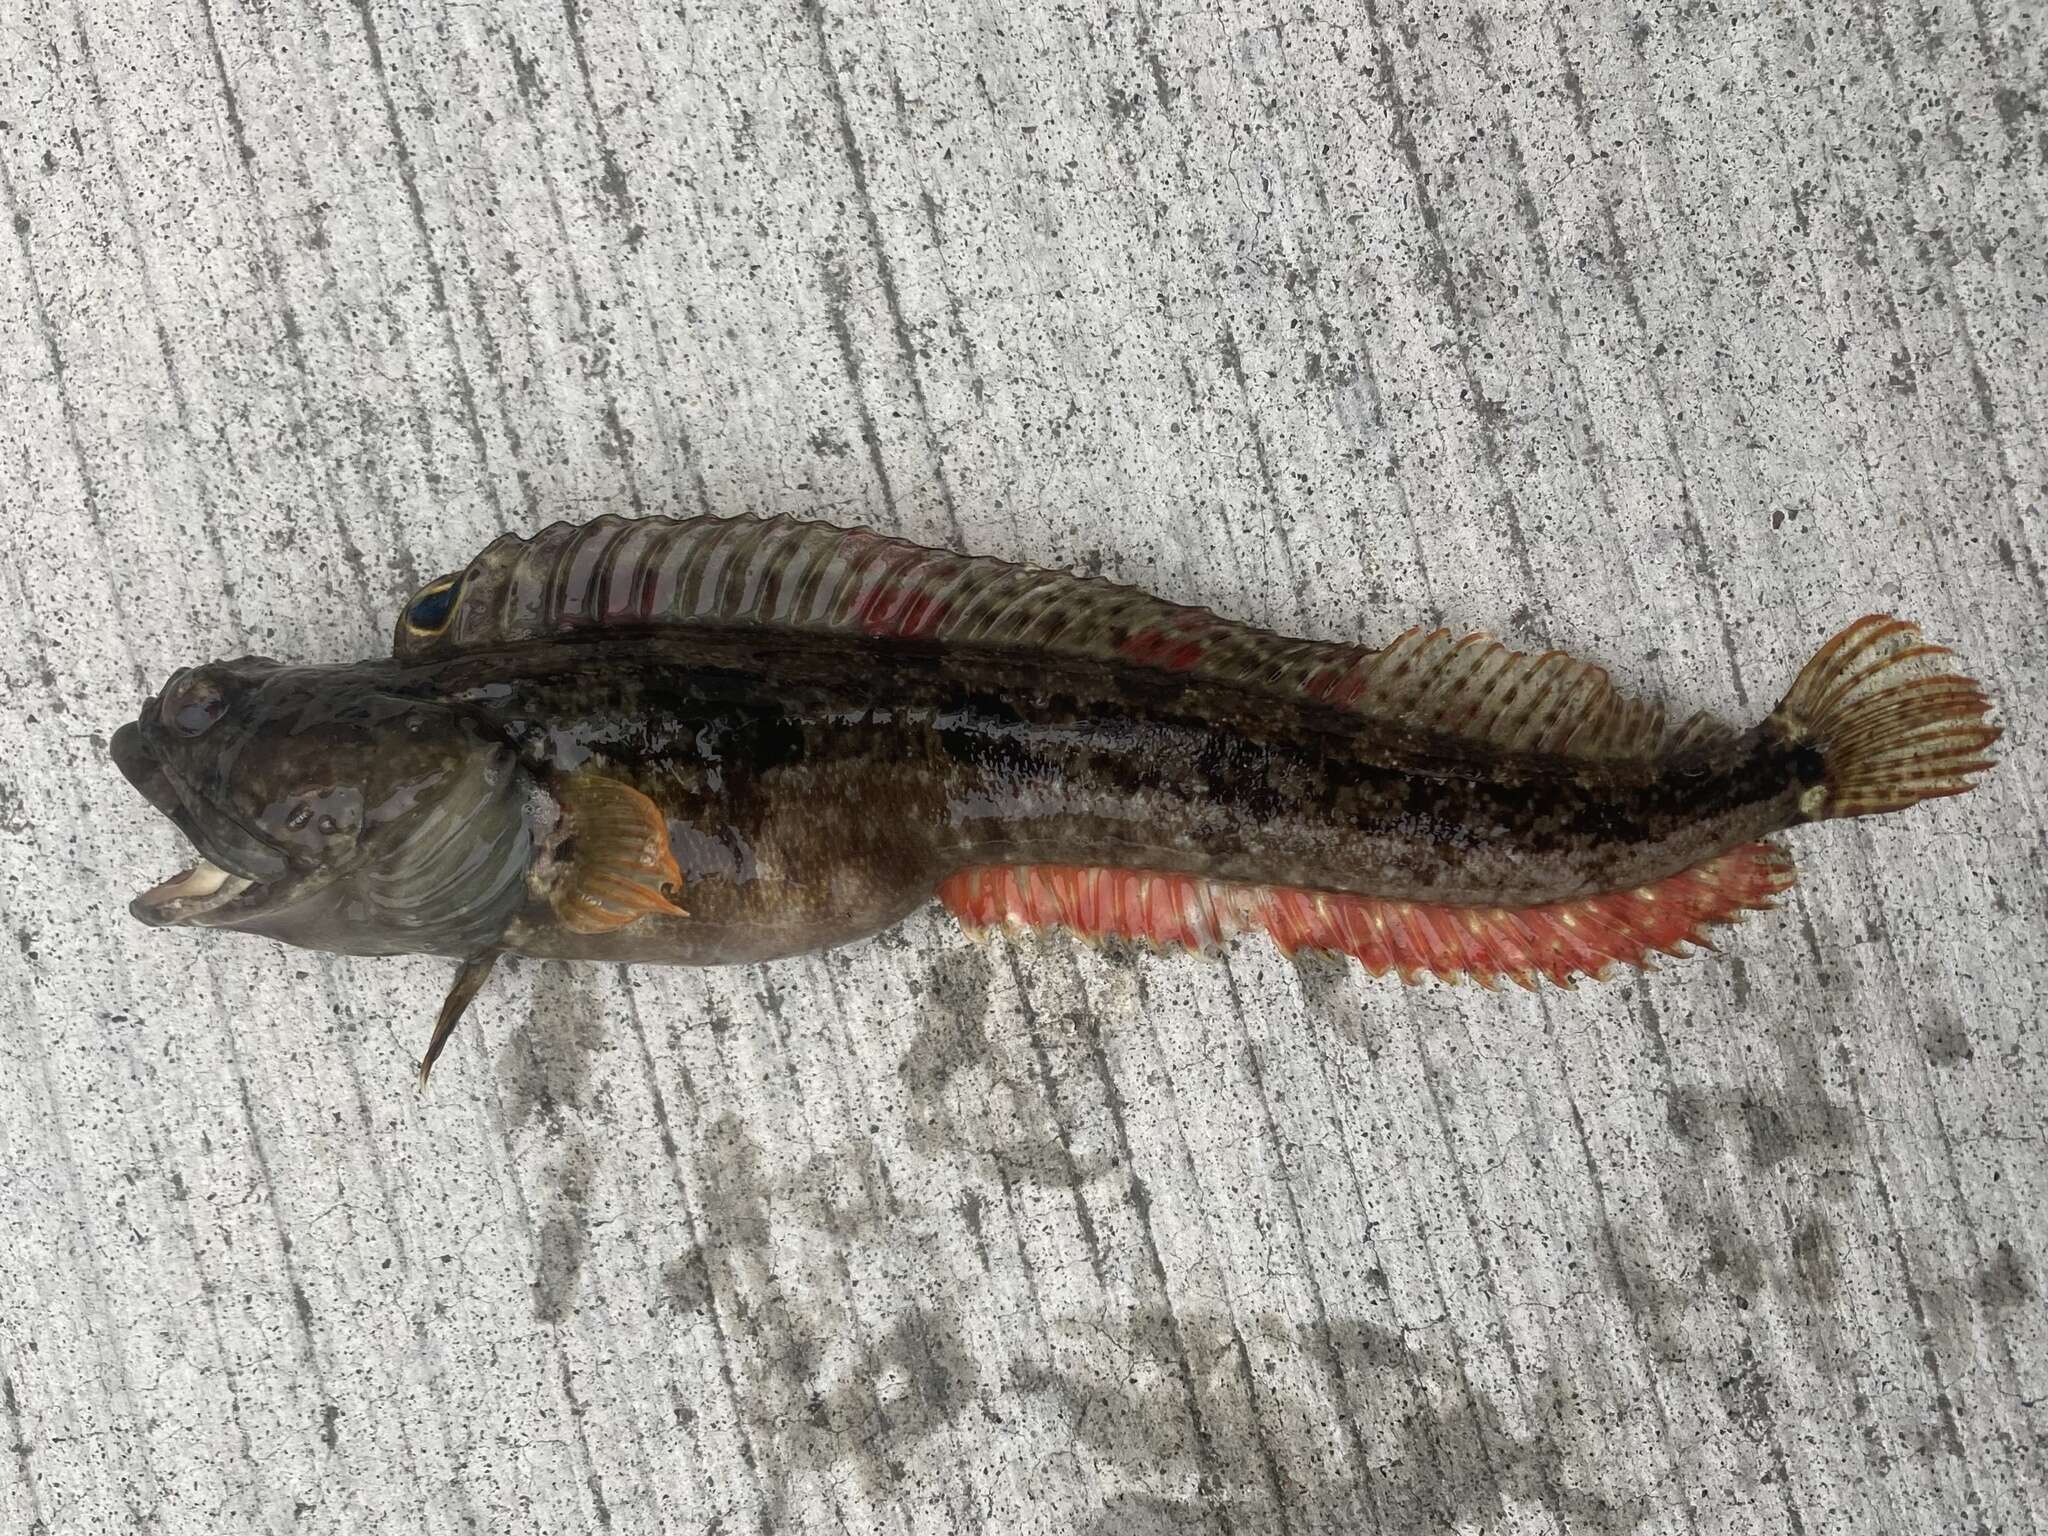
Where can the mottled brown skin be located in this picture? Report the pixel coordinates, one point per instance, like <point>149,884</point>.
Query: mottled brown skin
<point>704,741</point>
<point>818,788</point>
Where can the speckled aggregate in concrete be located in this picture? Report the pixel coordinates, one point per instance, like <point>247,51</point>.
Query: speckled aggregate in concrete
<point>1673,335</point>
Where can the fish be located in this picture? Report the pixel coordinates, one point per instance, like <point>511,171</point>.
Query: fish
<point>710,741</point>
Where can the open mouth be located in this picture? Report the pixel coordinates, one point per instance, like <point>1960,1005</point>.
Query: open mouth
<point>190,894</point>
<point>205,887</point>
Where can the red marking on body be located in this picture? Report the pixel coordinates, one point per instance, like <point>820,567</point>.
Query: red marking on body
<point>1560,940</point>
<point>1173,646</point>
<point>1339,684</point>
<point>1157,648</point>
<point>899,610</point>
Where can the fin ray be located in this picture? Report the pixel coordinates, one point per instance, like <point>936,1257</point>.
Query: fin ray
<point>1893,723</point>
<point>468,982</point>
<point>676,573</point>
<point>609,863</point>
<point>1554,941</point>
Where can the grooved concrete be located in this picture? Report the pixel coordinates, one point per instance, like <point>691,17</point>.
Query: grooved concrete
<point>1673,335</point>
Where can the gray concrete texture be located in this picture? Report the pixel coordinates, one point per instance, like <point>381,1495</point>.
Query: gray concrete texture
<point>1674,335</point>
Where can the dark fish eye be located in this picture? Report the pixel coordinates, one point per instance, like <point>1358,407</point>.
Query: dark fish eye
<point>192,705</point>
<point>428,612</point>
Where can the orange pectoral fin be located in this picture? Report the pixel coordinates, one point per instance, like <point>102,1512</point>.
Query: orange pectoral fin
<point>614,860</point>
<point>1560,940</point>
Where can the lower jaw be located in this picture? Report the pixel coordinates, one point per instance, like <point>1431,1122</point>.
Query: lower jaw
<point>189,895</point>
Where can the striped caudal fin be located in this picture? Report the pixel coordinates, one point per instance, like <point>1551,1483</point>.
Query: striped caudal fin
<point>1893,722</point>
<point>1559,940</point>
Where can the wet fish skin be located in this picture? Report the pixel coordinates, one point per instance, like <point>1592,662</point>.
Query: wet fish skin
<point>699,743</point>
<point>817,789</point>
<point>363,821</point>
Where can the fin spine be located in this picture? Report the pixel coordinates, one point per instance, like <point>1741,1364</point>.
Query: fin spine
<point>780,572</point>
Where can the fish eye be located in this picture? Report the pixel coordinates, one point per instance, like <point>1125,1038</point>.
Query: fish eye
<point>192,704</point>
<point>429,611</point>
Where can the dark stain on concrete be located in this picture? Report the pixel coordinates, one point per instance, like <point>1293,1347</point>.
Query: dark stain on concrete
<point>685,1416</point>
<point>1745,1393</point>
<point>1659,1305</point>
<point>686,1281</point>
<point>1945,1039</point>
<point>1689,1113</point>
<point>826,1379</point>
<point>526,77</point>
<point>776,1343</point>
<point>844,1192</point>
<point>1131,1418</point>
<point>972,1093</point>
<point>545,1067</point>
<point>2012,105</point>
<point>19,1442</point>
<point>13,813</point>
<point>2005,1281</point>
<point>954,999</point>
<point>927,1345</point>
<point>564,1239</point>
<point>734,1185</point>
<point>1772,1126</point>
<point>1816,1271</point>
<point>1937,1436</point>
<point>562,1246</point>
<point>1780,1126</point>
<point>1733,1257</point>
<point>1448,1457</point>
<point>545,1074</point>
<point>1330,989</point>
<point>971,1207</point>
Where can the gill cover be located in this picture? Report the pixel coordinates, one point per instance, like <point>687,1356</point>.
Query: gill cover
<point>449,882</point>
<point>350,818</point>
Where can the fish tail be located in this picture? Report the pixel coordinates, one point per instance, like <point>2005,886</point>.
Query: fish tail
<point>1893,724</point>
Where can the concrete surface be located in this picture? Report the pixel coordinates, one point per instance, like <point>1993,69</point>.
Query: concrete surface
<point>1675,334</point>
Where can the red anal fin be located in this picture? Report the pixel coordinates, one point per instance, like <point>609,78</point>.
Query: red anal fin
<point>1560,940</point>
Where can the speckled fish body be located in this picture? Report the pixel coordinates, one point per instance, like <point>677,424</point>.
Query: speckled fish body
<point>815,789</point>
<point>701,742</point>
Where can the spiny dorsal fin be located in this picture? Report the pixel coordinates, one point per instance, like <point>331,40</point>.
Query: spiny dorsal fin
<point>790,574</point>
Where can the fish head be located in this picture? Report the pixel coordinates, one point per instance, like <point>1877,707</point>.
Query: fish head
<point>328,811</point>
